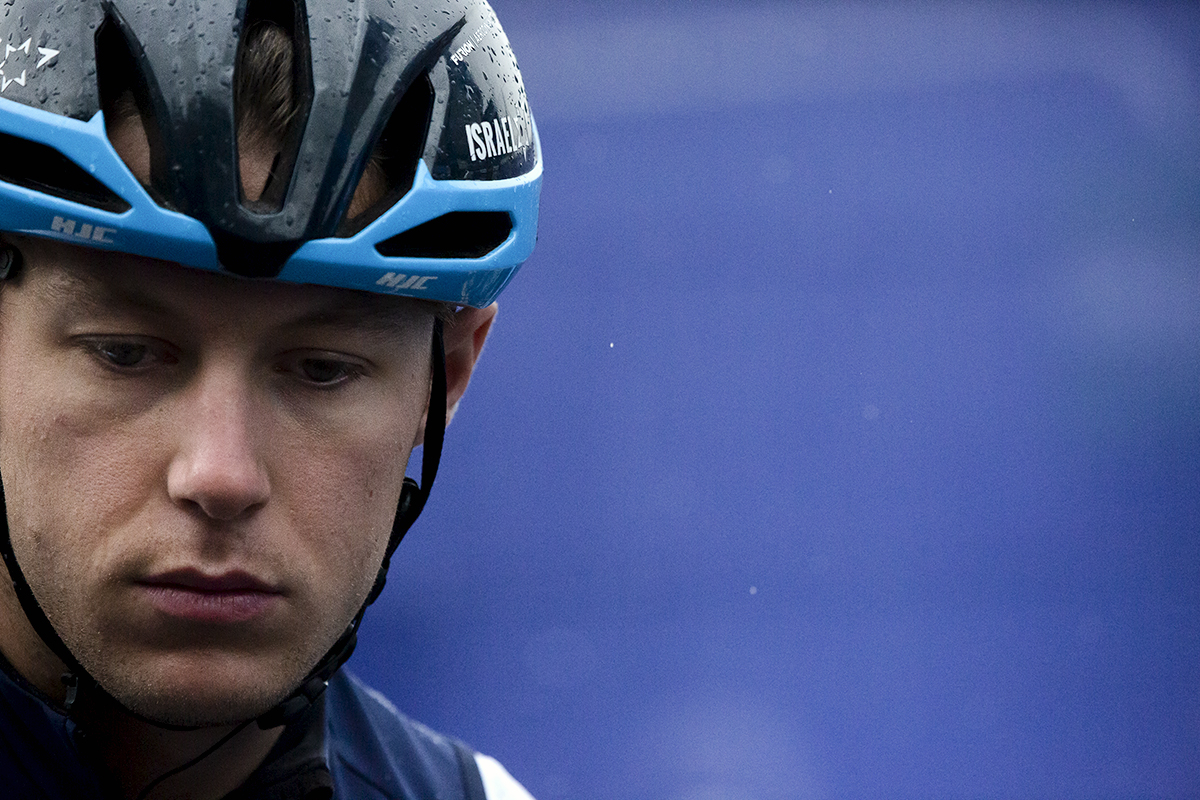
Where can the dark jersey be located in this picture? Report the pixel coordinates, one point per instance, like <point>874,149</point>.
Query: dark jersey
<point>352,745</point>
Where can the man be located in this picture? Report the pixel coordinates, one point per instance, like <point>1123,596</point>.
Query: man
<point>250,256</point>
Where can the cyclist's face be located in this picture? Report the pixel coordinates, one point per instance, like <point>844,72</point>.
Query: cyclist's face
<point>201,472</point>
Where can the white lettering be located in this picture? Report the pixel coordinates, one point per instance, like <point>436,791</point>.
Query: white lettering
<point>508,139</point>
<point>499,136</point>
<point>462,52</point>
<point>480,147</point>
<point>469,46</point>
<point>391,280</point>
<point>475,142</point>
<point>518,133</point>
<point>399,281</point>
<point>94,233</point>
<point>487,137</point>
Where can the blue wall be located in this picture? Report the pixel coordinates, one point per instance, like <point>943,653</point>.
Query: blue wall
<point>842,437</point>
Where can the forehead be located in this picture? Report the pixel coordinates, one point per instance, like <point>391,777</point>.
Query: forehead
<point>65,274</point>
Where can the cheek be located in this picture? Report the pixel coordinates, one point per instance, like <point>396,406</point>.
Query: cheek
<point>69,485</point>
<point>348,472</point>
<point>345,499</point>
<point>63,448</point>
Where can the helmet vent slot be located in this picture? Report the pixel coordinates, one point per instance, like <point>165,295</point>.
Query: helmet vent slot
<point>459,234</point>
<point>129,117</point>
<point>41,168</point>
<point>271,100</point>
<point>392,167</point>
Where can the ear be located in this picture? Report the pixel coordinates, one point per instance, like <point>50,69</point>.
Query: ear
<point>463,339</point>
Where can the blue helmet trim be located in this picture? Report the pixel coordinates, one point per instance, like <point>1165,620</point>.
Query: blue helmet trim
<point>354,263</point>
<point>147,229</point>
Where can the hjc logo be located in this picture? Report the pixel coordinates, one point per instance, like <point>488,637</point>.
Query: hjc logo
<point>88,231</point>
<point>413,283</point>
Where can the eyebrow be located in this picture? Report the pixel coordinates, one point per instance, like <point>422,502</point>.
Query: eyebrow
<point>358,314</point>
<point>70,286</point>
<point>352,313</point>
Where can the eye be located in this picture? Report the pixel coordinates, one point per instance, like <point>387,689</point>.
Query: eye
<point>324,371</point>
<point>122,354</point>
<point>130,355</point>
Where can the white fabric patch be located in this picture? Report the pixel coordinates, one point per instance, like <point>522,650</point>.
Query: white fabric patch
<point>497,783</point>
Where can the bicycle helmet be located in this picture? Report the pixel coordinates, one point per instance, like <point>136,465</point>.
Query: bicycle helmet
<point>432,87</point>
<point>426,93</point>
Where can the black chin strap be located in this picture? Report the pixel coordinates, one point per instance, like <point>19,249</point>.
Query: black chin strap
<point>412,501</point>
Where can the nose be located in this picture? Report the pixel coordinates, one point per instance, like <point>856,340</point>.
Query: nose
<point>218,469</point>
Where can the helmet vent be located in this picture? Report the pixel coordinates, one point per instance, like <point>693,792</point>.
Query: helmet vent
<point>129,117</point>
<point>271,99</point>
<point>459,234</point>
<point>392,167</point>
<point>43,169</point>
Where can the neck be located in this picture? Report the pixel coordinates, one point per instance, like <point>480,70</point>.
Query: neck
<point>136,754</point>
<point>131,752</point>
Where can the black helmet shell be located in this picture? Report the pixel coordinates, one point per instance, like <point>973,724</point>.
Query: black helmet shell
<point>358,61</point>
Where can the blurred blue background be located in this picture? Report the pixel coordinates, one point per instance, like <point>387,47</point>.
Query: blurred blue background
<point>842,437</point>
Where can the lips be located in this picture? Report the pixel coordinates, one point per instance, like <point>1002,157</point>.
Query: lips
<point>227,598</point>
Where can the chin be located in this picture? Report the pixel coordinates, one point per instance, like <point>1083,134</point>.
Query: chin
<point>201,712</point>
<point>206,694</point>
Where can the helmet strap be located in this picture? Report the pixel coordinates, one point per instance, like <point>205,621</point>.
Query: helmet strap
<point>412,496</point>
